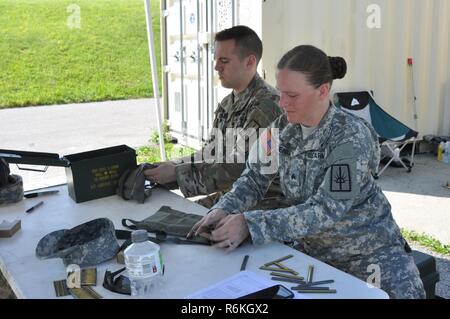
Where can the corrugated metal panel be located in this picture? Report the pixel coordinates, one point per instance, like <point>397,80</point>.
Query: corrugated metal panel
<point>249,14</point>
<point>376,57</point>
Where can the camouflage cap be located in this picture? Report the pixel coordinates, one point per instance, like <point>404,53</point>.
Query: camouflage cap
<point>85,245</point>
<point>4,172</point>
<point>13,191</point>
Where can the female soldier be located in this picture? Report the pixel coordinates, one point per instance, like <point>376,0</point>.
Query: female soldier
<point>326,157</point>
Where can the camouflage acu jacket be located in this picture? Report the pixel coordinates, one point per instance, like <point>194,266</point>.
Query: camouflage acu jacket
<point>254,108</point>
<point>339,213</point>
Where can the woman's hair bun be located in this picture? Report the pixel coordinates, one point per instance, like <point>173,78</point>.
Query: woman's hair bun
<point>338,67</point>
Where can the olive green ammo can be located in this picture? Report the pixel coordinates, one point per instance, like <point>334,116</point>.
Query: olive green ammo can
<point>95,174</point>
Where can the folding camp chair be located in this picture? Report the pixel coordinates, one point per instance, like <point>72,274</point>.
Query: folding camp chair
<point>392,134</point>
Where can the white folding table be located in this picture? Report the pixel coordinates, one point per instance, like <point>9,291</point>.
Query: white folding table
<point>188,268</point>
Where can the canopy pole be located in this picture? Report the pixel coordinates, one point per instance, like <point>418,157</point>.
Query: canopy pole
<point>416,118</point>
<point>151,49</point>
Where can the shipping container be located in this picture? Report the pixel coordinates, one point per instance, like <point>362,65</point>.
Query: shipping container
<point>376,38</point>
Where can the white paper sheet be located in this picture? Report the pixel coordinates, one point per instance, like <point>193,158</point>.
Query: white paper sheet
<point>238,285</point>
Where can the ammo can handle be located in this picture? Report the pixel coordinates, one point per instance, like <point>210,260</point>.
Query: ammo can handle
<point>32,169</point>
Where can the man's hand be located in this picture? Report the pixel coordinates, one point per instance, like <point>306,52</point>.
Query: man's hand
<point>210,221</point>
<point>231,232</point>
<point>163,174</point>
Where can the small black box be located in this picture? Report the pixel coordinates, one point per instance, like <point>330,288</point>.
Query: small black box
<point>427,269</point>
<point>95,174</point>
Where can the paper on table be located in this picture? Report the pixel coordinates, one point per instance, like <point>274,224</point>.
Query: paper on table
<point>238,285</point>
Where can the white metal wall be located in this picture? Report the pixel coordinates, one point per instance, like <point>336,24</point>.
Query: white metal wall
<point>249,13</point>
<point>376,57</point>
<point>191,86</point>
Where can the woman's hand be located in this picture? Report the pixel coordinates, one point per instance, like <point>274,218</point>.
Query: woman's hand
<point>230,232</point>
<point>204,226</point>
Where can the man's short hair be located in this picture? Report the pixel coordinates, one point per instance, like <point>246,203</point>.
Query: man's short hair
<point>246,40</point>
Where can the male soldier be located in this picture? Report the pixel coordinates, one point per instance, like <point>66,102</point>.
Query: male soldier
<point>251,105</point>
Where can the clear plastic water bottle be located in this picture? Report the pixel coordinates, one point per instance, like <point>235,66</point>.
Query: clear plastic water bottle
<point>144,264</point>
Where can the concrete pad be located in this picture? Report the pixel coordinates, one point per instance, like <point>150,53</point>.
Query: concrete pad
<point>73,128</point>
<point>419,200</point>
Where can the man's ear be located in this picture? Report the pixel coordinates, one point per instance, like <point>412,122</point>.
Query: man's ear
<point>251,61</point>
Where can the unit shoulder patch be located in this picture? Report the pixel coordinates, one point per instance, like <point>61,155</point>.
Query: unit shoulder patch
<point>340,178</point>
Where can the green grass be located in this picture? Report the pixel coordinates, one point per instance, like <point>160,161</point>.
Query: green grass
<point>426,241</point>
<point>43,61</point>
<point>150,154</point>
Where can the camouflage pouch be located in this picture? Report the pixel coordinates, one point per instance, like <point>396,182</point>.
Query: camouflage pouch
<point>169,222</point>
<point>131,184</point>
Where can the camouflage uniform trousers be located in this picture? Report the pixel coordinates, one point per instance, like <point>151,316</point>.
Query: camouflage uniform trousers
<point>266,203</point>
<point>210,200</point>
<point>400,278</point>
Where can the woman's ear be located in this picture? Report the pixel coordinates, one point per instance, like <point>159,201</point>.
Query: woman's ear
<point>324,91</point>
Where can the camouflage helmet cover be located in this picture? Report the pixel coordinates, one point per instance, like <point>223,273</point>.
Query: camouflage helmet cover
<point>87,244</point>
<point>12,192</point>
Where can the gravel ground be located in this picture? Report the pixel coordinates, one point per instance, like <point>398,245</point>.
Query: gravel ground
<point>442,287</point>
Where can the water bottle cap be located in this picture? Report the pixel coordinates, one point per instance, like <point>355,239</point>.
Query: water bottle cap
<point>139,236</point>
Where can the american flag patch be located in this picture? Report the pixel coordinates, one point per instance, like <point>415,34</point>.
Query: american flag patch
<point>267,142</point>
